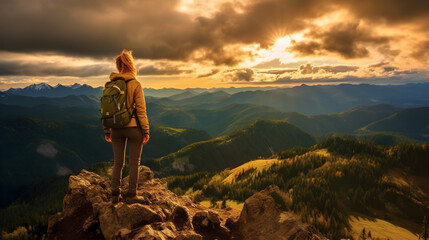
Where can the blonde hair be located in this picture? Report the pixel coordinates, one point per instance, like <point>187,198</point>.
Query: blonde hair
<point>125,62</point>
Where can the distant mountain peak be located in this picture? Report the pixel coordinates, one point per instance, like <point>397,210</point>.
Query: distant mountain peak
<point>59,90</point>
<point>76,85</point>
<point>39,86</point>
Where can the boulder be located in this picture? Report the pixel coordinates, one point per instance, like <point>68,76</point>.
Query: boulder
<point>207,220</point>
<point>265,215</point>
<point>180,217</point>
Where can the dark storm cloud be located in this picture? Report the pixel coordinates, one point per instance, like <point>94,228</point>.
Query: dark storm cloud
<point>50,69</point>
<point>346,40</point>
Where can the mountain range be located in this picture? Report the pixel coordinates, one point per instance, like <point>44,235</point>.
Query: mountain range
<point>310,99</point>
<point>206,111</point>
<point>46,90</point>
<point>303,99</point>
<point>47,134</point>
<point>59,90</point>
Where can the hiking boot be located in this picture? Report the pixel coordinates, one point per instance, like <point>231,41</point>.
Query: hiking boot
<point>133,198</point>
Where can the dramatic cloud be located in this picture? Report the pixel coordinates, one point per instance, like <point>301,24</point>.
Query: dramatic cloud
<point>390,11</point>
<point>239,75</point>
<point>279,71</point>
<point>422,51</point>
<point>346,40</point>
<point>275,63</point>
<point>153,29</point>
<point>309,69</point>
<point>211,73</point>
<point>51,69</point>
<point>230,40</point>
<point>162,69</point>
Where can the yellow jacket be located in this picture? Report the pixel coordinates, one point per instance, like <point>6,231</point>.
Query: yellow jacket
<point>134,94</point>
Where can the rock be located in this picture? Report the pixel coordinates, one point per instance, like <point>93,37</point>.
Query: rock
<point>213,218</point>
<point>207,223</point>
<point>148,233</point>
<point>264,217</point>
<point>89,214</point>
<point>123,216</point>
<point>180,217</point>
<point>145,174</point>
<point>231,223</point>
<point>85,193</point>
<point>206,220</point>
<point>200,220</point>
<point>189,236</point>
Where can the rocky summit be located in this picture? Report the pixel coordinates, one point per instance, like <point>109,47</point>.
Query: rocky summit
<point>89,214</point>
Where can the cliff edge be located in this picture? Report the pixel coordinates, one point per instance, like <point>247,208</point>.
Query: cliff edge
<point>89,214</point>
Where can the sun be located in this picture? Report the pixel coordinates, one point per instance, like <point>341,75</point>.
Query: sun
<point>278,50</point>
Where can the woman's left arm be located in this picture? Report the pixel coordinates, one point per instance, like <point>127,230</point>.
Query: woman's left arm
<point>141,109</point>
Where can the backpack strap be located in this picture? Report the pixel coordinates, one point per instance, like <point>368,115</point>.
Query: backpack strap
<point>134,113</point>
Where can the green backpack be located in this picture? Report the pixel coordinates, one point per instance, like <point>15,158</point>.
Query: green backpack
<point>114,109</point>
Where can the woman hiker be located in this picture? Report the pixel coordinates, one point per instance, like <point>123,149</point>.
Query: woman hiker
<point>136,132</point>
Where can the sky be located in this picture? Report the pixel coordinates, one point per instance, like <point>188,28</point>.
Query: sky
<point>203,43</point>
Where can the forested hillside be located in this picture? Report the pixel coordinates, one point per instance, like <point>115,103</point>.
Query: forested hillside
<point>262,138</point>
<point>330,182</point>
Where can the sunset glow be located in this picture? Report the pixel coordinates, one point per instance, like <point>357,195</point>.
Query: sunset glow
<point>195,43</point>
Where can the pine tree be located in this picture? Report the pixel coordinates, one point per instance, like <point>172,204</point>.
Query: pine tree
<point>213,203</point>
<point>424,234</point>
<point>369,235</point>
<point>223,206</point>
<point>363,234</point>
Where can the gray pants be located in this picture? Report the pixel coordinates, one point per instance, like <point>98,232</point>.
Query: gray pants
<point>120,137</point>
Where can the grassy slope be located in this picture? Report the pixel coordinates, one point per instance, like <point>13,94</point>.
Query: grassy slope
<point>258,165</point>
<point>380,228</point>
